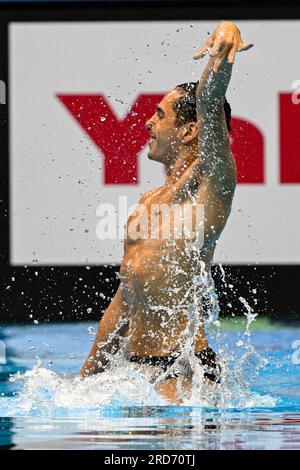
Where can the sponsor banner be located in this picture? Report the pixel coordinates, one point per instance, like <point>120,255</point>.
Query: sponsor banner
<point>80,94</point>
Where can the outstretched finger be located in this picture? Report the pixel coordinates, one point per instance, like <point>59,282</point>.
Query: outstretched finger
<point>203,50</point>
<point>245,47</point>
<point>231,55</point>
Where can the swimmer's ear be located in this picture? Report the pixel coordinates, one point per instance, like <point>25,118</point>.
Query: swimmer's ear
<point>189,132</point>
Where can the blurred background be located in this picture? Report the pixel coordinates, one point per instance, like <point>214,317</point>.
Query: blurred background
<point>77,82</point>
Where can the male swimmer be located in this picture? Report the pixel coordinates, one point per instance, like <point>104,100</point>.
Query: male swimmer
<point>190,136</point>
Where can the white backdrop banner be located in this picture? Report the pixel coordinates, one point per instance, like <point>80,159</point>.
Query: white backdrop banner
<point>80,94</point>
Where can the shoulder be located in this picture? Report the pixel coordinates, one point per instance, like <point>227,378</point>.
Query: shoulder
<point>146,195</point>
<point>218,180</point>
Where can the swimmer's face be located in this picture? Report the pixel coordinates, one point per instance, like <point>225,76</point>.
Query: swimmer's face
<point>165,141</point>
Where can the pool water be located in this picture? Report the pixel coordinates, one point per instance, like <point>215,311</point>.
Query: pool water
<point>44,405</point>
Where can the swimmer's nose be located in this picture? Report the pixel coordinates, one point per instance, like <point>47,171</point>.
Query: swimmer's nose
<point>149,125</point>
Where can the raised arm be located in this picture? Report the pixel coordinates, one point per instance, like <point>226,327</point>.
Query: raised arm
<point>221,46</point>
<point>216,165</point>
<point>112,328</point>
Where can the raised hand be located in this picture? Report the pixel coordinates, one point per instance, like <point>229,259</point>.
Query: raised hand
<point>224,43</point>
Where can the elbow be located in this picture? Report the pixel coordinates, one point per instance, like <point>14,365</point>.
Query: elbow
<point>87,368</point>
<point>84,372</point>
<point>92,366</point>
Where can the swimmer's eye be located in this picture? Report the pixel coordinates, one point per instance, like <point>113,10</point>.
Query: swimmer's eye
<point>160,113</point>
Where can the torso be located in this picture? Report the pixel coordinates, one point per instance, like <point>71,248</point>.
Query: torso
<point>155,276</point>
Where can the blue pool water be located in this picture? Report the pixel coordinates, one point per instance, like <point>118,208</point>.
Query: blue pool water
<point>44,405</point>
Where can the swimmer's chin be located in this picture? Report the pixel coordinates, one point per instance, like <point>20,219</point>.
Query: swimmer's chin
<point>151,156</point>
<point>154,157</point>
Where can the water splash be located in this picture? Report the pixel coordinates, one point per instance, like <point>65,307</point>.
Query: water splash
<point>250,315</point>
<point>45,393</point>
<point>129,384</point>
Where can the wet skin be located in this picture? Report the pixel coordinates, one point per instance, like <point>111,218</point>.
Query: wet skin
<point>148,315</point>
<point>156,274</point>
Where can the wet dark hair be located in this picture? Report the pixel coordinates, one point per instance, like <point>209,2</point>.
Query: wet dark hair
<point>185,105</point>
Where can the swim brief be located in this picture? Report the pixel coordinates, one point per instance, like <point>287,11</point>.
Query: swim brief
<point>207,358</point>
